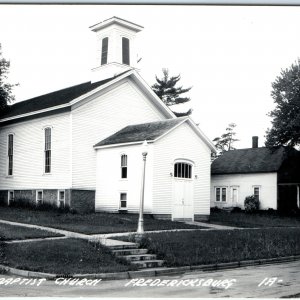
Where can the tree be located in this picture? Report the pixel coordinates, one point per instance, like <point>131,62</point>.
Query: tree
<point>286,115</point>
<point>225,141</point>
<point>6,95</point>
<point>166,89</point>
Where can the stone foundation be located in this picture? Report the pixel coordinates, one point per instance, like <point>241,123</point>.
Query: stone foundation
<point>201,218</point>
<point>82,201</point>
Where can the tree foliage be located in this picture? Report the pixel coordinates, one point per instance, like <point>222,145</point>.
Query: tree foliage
<point>166,89</point>
<point>6,95</point>
<point>225,141</point>
<point>286,115</point>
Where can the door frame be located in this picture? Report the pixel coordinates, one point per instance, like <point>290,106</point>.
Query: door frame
<point>191,180</point>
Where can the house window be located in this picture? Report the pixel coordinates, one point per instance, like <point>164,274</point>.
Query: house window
<point>11,197</point>
<point>125,51</point>
<point>47,150</point>
<point>221,194</point>
<point>61,199</point>
<point>182,170</point>
<point>10,154</point>
<point>256,192</point>
<point>123,201</point>
<point>104,51</point>
<point>39,197</point>
<point>123,166</point>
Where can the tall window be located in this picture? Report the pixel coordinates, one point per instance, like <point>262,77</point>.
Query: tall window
<point>104,51</point>
<point>125,51</point>
<point>10,153</point>
<point>221,194</point>
<point>47,150</point>
<point>256,192</point>
<point>182,170</point>
<point>123,166</point>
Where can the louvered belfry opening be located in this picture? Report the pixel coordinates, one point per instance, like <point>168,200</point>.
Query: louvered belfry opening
<point>125,51</point>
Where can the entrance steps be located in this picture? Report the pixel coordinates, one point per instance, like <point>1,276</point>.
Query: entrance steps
<point>136,256</point>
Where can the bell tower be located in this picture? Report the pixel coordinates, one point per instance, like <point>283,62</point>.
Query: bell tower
<point>116,51</point>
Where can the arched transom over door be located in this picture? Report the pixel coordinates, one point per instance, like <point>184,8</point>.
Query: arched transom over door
<point>183,190</point>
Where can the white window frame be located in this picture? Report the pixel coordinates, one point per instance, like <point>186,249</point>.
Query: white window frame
<point>120,199</point>
<point>9,200</point>
<point>221,189</point>
<point>36,197</point>
<point>7,150</point>
<point>45,150</point>
<point>259,191</point>
<point>59,200</point>
<point>125,166</point>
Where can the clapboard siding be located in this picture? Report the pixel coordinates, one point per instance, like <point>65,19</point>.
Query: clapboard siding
<point>245,184</point>
<point>110,185</point>
<point>28,169</point>
<point>181,143</point>
<point>121,106</point>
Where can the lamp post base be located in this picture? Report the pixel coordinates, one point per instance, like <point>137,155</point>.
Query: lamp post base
<point>140,229</point>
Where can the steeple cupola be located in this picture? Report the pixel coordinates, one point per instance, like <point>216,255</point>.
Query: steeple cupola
<point>116,51</point>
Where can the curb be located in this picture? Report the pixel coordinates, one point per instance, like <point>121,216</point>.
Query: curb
<point>153,272</point>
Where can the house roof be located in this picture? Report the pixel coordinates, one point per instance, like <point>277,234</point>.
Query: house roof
<point>252,160</point>
<point>56,98</point>
<point>141,132</point>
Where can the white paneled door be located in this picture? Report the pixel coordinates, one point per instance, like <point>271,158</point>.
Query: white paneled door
<point>183,187</point>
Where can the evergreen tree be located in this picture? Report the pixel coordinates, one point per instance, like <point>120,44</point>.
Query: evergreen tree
<point>6,95</point>
<point>166,89</point>
<point>225,141</point>
<point>286,115</point>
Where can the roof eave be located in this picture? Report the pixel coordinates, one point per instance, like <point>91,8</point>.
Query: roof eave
<point>121,144</point>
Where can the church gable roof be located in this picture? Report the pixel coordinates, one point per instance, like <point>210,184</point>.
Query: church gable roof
<point>252,160</point>
<point>141,132</point>
<point>53,99</point>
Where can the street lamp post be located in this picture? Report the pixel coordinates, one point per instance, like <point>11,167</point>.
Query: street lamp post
<point>140,229</point>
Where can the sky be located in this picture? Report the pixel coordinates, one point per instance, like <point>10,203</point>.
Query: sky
<point>229,55</point>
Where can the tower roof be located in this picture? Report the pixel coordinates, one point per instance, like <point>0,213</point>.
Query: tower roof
<point>116,20</point>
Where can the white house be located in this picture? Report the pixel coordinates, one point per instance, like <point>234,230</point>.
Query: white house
<point>81,146</point>
<point>272,175</point>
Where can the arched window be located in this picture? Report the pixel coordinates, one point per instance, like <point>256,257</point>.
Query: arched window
<point>182,170</point>
<point>125,51</point>
<point>47,150</point>
<point>123,166</point>
<point>104,51</point>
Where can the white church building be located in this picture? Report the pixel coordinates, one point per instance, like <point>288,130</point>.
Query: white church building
<point>82,146</point>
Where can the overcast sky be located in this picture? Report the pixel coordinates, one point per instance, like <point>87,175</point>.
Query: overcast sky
<point>230,55</point>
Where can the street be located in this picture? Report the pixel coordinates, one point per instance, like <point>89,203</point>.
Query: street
<point>267,281</point>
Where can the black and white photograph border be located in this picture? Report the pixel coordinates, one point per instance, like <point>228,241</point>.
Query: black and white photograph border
<point>150,150</point>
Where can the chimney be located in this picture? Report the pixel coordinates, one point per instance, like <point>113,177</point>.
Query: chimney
<point>255,142</point>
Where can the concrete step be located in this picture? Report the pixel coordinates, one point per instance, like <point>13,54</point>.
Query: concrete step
<point>123,246</point>
<point>139,257</point>
<point>122,252</point>
<point>148,263</point>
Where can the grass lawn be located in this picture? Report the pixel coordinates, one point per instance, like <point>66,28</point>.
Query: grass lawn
<point>206,247</point>
<point>260,219</point>
<point>87,223</point>
<point>64,257</point>
<point>11,232</point>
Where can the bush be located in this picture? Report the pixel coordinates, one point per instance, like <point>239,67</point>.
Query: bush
<point>236,209</point>
<point>26,204</point>
<point>251,204</point>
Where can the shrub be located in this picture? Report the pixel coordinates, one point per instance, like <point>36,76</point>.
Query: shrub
<point>236,209</point>
<point>251,204</point>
